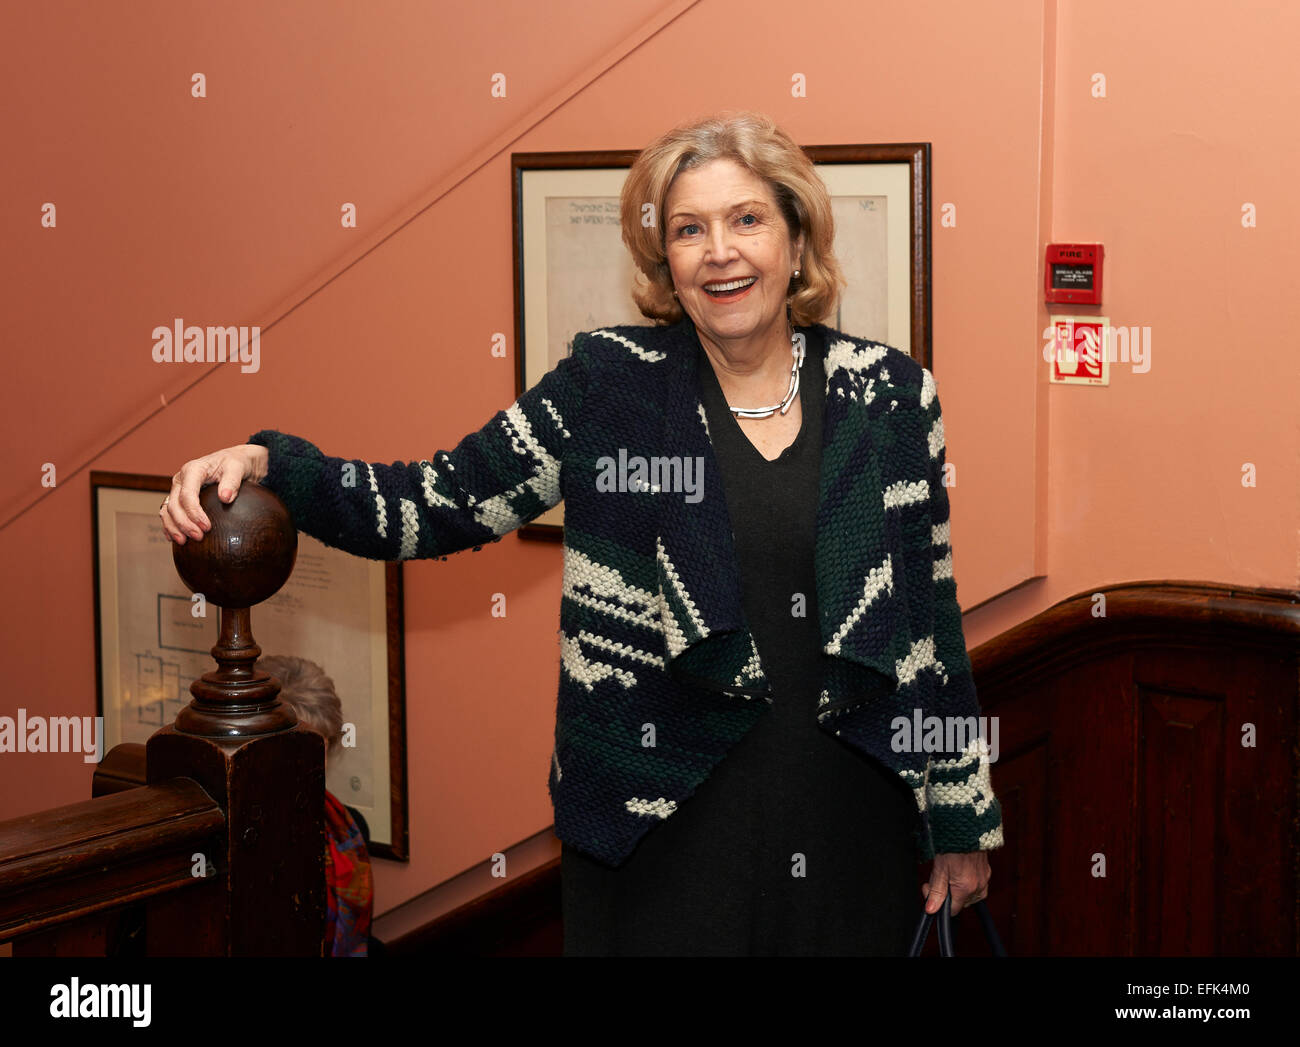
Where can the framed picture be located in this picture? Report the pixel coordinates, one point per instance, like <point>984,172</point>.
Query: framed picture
<point>152,641</point>
<point>573,272</point>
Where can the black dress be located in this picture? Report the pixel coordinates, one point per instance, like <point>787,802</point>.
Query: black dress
<point>720,877</point>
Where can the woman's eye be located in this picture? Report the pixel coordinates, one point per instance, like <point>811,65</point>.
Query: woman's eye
<point>748,220</point>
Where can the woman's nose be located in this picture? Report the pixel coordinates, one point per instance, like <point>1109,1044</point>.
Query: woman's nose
<point>718,246</point>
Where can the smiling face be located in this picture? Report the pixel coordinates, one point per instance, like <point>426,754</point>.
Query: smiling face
<point>730,253</point>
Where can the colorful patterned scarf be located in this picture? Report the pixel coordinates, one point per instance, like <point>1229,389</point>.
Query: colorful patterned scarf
<point>350,890</point>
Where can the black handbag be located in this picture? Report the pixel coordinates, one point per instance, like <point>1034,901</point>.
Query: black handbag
<point>945,929</point>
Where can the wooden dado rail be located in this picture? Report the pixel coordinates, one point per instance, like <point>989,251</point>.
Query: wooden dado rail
<point>1148,774</point>
<point>217,832</point>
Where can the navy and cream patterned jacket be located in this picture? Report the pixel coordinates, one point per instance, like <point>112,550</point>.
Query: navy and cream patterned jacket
<point>652,627</point>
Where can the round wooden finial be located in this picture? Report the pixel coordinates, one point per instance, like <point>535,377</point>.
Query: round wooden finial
<point>244,559</point>
<point>249,553</point>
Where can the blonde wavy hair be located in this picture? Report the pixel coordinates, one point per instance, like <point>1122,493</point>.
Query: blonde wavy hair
<point>754,142</point>
<point>306,689</point>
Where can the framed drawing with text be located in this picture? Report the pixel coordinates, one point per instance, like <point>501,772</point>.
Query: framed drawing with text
<point>573,273</point>
<point>152,639</point>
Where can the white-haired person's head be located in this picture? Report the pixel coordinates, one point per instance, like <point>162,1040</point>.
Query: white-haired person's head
<point>306,689</point>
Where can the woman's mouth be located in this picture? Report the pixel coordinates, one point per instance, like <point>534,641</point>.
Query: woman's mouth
<point>729,290</point>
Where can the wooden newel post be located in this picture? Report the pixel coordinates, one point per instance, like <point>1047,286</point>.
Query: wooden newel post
<point>265,895</point>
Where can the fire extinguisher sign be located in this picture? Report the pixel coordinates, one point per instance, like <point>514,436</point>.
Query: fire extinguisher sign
<point>1077,349</point>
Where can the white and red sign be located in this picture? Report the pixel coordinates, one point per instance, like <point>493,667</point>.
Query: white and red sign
<point>1077,350</point>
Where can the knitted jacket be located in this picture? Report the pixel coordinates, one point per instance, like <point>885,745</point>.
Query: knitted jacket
<point>659,674</point>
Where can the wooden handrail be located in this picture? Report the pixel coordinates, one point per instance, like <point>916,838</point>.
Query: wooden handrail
<point>62,864</point>
<point>1069,632</point>
<point>123,767</point>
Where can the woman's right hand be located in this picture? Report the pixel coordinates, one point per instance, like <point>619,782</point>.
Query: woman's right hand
<point>181,514</point>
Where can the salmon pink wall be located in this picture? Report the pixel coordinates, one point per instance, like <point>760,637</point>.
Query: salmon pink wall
<point>1146,476</point>
<point>376,340</point>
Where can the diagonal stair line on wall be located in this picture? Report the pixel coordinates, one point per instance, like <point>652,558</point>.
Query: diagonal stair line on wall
<point>591,72</point>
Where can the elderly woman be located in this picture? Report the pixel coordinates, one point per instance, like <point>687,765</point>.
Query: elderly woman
<point>758,599</point>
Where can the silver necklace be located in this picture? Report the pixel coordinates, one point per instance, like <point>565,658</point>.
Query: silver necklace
<point>797,348</point>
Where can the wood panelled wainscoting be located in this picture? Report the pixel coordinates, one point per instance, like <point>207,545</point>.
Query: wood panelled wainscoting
<point>1147,766</point>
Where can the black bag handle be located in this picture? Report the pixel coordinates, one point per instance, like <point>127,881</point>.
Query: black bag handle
<point>945,929</point>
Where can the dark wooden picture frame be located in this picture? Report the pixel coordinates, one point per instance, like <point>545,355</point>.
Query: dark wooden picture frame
<point>398,847</point>
<point>828,158</point>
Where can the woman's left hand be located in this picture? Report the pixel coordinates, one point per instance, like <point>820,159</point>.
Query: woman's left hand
<point>965,875</point>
